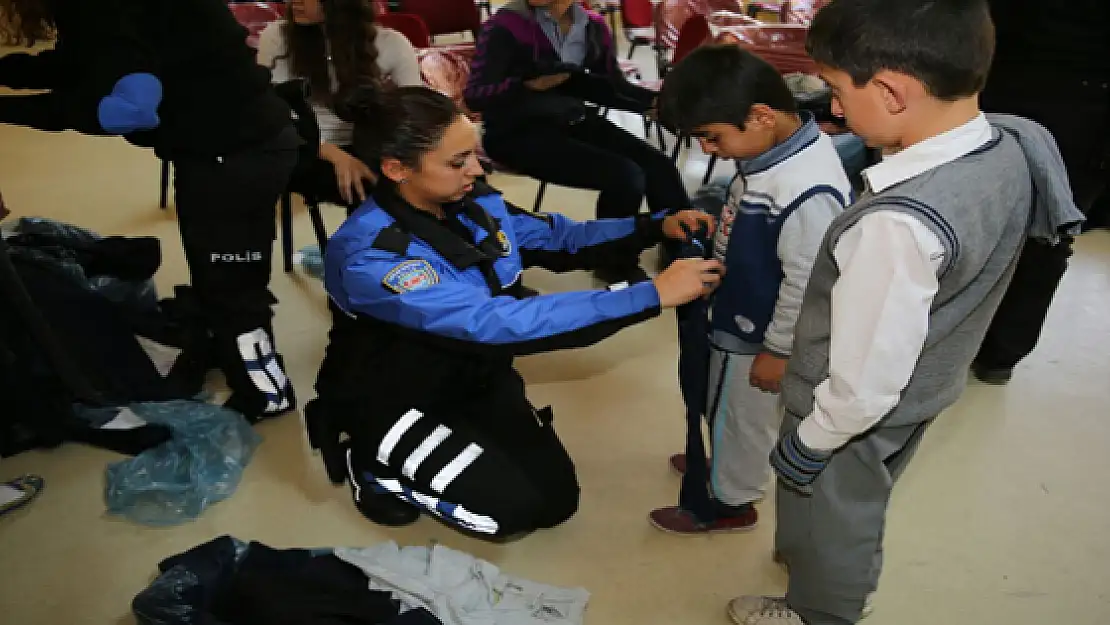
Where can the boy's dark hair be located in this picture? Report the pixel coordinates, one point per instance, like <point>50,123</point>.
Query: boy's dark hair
<point>718,84</point>
<point>946,44</point>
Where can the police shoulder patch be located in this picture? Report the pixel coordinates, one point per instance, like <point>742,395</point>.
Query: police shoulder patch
<point>410,276</point>
<point>506,245</point>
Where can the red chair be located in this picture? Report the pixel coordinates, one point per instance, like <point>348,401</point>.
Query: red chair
<point>411,26</point>
<point>638,23</point>
<point>446,16</point>
<point>693,34</point>
<point>255,16</point>
<point>781,45</point>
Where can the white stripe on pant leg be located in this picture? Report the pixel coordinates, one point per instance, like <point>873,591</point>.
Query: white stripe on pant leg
<point>418,455</point>
<point>452,469</point>
<point>274,370</point>
<point>351,475</point>
<point>255,348</point>
<point>393,436</point>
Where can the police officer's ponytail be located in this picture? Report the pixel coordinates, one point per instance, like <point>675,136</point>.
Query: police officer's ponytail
<point>396,122</point>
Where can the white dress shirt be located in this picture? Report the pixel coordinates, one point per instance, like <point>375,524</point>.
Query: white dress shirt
<point>889,273</point>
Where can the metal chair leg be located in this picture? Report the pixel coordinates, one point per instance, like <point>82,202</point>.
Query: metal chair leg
<point>287,231</point>
<point>539,197</point>
<point>163,198</point>
<point>318,224</point>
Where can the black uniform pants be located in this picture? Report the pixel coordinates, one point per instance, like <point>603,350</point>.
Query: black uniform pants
<point>226,212</point>
<point>1076,113</point>
<point>491,463</point>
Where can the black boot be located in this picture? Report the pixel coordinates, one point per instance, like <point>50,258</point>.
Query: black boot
<point>997,376</point>
<point>377,505</point>
<point>255,373</point>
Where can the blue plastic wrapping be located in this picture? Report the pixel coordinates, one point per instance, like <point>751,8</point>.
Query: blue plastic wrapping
<point>200,466</point>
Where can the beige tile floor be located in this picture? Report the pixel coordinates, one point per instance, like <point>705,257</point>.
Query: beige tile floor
<point>1002,517</point>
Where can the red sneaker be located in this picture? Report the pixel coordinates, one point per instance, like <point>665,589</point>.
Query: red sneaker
<point>678,464</point>
<point>675,520</point>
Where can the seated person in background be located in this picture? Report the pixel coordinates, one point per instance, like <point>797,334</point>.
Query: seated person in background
<point>537,64</point>
<point>424,286</point>
<point>335,45</point>
<point>788,188</point>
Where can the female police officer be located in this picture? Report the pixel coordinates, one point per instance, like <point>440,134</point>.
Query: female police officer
<point>424,282</point>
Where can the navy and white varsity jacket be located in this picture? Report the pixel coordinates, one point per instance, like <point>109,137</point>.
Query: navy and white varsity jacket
<point>778,208</point>
<point>394,264</point>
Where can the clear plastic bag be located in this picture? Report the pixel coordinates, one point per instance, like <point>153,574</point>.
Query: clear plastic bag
<point>312,261</point>
<point>176,481</point>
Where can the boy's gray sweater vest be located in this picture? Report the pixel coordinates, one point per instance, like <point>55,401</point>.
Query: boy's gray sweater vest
<point>979,206</point>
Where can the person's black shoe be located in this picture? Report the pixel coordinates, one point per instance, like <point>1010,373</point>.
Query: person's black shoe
<point>992,375</point>
<point>383,508</point>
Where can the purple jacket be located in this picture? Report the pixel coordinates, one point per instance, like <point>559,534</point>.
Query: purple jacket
<point>512,48</point>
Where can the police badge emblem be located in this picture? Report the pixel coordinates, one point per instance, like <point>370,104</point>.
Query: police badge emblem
<point>503,240</point>
<point>410,276</point>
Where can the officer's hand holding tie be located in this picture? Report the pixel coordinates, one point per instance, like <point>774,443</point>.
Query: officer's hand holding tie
<point>688,278</point>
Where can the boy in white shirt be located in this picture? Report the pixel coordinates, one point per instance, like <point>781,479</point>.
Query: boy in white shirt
<point>903,287</point>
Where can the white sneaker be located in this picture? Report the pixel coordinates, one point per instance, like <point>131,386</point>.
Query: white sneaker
<point>751,610</point>
<point>867,607</point>
<point>762,611</point>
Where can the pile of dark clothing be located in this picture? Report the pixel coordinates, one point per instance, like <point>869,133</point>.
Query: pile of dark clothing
<point>228,582</point>
<point>111,341</point>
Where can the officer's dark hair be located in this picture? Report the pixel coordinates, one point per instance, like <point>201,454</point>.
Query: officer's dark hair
<point>396,122</point>
<point>948,45</point>
<point>719,84</point>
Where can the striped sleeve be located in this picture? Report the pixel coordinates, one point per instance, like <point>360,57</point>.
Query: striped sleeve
<point>490,79</point>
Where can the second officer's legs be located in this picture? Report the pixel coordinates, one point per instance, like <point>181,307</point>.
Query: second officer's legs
<point>226,212</point>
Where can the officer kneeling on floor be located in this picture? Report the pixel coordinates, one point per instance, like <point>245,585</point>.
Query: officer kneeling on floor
<point>419,405</point>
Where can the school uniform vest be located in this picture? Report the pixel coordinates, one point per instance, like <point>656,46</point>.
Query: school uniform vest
<point>980,208</point>
<point>764,194</point>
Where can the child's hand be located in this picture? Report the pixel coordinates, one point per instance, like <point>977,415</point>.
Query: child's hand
<point>692,219</point>
<point>767,372</point>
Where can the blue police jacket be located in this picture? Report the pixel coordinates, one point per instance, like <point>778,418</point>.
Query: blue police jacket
<point>457,279</point>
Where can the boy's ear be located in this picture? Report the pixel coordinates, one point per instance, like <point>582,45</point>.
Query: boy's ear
<point>895,89</point>
<point>762,116</point>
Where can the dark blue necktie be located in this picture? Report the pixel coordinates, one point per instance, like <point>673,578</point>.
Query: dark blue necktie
<point>693,379</point>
